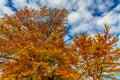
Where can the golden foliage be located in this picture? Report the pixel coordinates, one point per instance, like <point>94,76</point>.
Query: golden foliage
<point>33,48</point>
<point>97,56</point>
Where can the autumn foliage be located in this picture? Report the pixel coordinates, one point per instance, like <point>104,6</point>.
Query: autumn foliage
<point>32,47</point>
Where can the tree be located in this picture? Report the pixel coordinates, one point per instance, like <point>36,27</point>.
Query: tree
<point>32,47</point>
<point>32,43</point>
<point>98,59</point>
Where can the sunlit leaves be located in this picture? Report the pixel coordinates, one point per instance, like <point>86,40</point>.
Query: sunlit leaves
<point>96,55</point>
<point>33,48</point>
<point>34,44</point>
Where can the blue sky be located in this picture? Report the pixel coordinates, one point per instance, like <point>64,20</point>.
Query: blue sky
<point>84,15</point>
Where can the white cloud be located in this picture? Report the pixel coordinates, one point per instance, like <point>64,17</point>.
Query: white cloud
<point>89,23</point>
<point>33,5</point>
<point>82,6</point>
<point>74,18</point>
<point>102,8</point>
<point>4,9</point>
<point>7,10</point>
<point>55,3</point>
<point>84,27</point>
<point>2,2</point>
<point>19,4</point>
<point>68,4</point>
<point>104,5</point>
<point>112,18</point>
<point>82,17</point>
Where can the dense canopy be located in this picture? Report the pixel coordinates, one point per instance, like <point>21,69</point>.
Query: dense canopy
<point>32,47</point>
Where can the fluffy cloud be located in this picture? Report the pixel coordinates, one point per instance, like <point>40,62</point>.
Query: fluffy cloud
<point>112,18</point>
<point>90,23</point>
<point>19,4</point>
<point>4,9</point>
<point>68,4</point>
<point>73,17</point>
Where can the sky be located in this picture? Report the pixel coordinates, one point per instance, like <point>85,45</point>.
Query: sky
<point>85,16</point>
